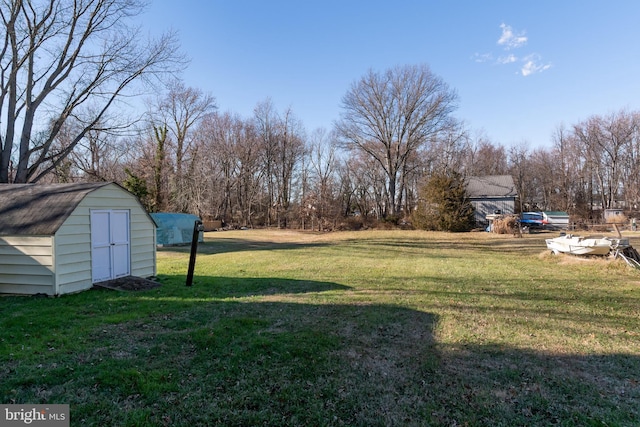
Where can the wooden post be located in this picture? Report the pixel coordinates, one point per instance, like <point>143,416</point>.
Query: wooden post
<point>197,228</point>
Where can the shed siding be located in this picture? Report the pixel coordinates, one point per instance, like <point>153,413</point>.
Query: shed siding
<point>73,239</point>
<point>73,254</point>
<point>143,244</point>
<point>26,265</point>
<point>61,263</point>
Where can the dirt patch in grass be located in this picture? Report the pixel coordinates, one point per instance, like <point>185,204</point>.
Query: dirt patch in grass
<point>128,283</point>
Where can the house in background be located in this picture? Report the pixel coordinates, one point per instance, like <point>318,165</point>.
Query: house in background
<point>62,238</point>
<point>493,194</point>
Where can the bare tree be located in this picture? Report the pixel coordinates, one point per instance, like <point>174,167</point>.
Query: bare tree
<point>228,174</point>
<point>182,109</point>
<point>566,163</point>
<point>520,170</point>
<point>282,145</point>
<point>100,154</point>
<point>605,141</point>
<point>250,173</point>
<point>367,185</point>
<point>142,160</point>
<point>320,201</point>
<point>291,149</point>
<point>96,155</point>
<point>266,124</point>
<point>486,158</point>
<point>348,189</point>
<point>58,56</point>
<point>631,168</point>
<point>542,181</point>
<point>390,115</point>
<point>160,191</point>
<point>447,153</point>
<point>217,136</point>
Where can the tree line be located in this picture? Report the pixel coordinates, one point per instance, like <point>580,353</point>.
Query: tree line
<point>266,170</point>
<point>69,67</point>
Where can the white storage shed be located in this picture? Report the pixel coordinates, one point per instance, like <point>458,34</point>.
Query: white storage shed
<point>62,238</point>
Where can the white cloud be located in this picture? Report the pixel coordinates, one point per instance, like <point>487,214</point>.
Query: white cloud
<point>482,57</point>
<point>532,65</point>
<point>511,40</point>
<point>529,64</point>
<point>507,59</point>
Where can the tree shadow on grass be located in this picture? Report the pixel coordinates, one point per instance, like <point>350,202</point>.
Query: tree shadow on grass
<point>237,287</point>
<point>190,356</point>
<point>220,246</point>
<point>500,385</point>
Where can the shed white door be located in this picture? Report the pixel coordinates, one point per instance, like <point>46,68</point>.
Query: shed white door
<point>109,244</point>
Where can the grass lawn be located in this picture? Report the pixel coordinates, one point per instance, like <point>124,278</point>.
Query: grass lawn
<point>359,329</point>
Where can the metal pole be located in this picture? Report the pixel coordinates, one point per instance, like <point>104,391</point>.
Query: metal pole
<point>197,228</point>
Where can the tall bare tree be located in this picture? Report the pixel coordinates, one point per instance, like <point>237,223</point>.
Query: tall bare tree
<point>605,142</point>
<point>182,108</point>
<point>631,168</point>
<point>390,115</point>
<point>565,164</point>
<point>486,158</point>
<point>159,192</point>
<point>520,170</point>
<point>319,202</point>
<point>282,146</point>
<point>58,56</point>
<point>96,155</point>
<point>291,149</point>
<point>266,125</point>
<point>218,136</point>
<point>250,173</point>
<point>146,160</point>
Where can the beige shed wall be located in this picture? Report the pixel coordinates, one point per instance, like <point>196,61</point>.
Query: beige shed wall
<point>26,265</point>
<point>73,239</point>
<point>61,264</point>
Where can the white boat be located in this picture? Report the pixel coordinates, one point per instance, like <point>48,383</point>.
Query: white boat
<point>577,245</point>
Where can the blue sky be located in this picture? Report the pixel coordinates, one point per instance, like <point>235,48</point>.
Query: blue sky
<point>520,68</point>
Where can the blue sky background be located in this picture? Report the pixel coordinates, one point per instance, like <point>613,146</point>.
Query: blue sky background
<point>520,68</point>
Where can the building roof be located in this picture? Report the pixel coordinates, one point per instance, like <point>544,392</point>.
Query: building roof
<point>492,186</point>
<point>39,210</point>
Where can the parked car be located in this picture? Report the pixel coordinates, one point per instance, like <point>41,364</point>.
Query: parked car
<point>532,220</point>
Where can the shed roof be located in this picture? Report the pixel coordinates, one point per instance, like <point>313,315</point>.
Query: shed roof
<point>491,186</point>
<point>39,209</point>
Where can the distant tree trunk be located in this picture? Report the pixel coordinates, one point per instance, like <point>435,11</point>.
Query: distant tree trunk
<point>160,134</point>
